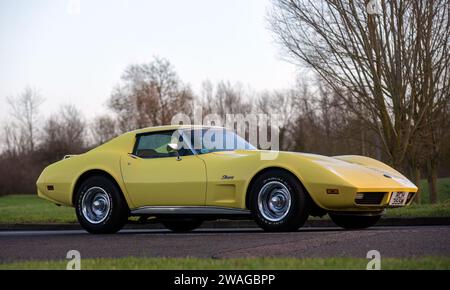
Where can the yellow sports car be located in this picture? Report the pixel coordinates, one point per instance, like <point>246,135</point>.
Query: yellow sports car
<point>184,175</point>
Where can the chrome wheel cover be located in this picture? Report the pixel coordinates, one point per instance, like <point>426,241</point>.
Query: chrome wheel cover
<point>274,201</point>
<point>95,205</point>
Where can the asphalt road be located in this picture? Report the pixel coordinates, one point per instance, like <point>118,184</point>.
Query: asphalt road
<point>308,242</point>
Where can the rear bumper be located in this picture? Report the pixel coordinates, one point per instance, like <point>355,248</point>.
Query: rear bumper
<point>46,197</point>
<point>54,192</point>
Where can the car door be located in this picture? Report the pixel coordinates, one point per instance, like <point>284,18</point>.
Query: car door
<point>153,176</point>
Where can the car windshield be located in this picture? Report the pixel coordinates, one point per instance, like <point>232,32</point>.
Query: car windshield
<point>205,141</point>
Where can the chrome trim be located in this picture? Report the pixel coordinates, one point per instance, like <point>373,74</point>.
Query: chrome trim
<point>274,201</point>
<point>133,156</point>
<point>96,205</point>
<point>188,210</point>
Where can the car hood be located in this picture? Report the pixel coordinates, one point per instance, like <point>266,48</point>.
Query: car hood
<point>362,172</point>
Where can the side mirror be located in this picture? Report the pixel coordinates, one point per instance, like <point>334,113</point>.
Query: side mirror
<point>174,148</point>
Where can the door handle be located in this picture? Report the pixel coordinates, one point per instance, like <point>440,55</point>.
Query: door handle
<point>133,156</point>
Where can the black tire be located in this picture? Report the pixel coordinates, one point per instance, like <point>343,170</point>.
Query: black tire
<point>354,222</point>
<point>295,217</point>
<point>115,216</point>
<point>182,225</point>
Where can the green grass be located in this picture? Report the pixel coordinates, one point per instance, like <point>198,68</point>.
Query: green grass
<point>426,263</point>
<point>443,186</point>
<point>423,210</point>
<point>442,209</point>
<point>22,209</point>
<point>26,209</point>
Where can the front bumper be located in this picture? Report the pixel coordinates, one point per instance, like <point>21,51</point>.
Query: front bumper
<point>378,199</point>
<point>351,199</point>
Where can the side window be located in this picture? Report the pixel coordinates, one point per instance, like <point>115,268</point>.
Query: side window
<point>154,145</point>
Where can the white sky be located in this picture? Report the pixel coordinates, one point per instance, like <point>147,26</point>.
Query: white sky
<point>77,58</point>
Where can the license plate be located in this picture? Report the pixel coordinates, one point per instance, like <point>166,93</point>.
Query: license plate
<point>399,198</point>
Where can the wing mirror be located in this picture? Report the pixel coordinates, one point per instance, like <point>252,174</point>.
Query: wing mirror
<point>174,148</point>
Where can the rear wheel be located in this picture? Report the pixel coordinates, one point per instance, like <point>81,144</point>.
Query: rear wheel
<point>100,207</point>
<point>278,202</point>
<point>354,222</point>
<point>182,225</point>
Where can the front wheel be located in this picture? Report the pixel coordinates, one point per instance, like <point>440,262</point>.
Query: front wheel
<point>354,222</point>
<point>182,225</point>
<point>279,202</point>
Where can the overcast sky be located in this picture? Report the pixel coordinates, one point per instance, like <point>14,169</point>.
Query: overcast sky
<point>74,51</point>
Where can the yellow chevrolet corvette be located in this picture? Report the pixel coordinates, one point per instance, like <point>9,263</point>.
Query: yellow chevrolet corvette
<point>184,175</point>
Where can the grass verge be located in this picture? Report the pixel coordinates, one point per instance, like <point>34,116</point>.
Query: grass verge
<point>29,209</point>
<point>426,263</point>
<point>422,210</point>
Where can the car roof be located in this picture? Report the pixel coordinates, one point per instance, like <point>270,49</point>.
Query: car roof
<point>173,127</point>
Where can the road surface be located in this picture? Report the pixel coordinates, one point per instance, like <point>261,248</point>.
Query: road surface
<point>226,243</point>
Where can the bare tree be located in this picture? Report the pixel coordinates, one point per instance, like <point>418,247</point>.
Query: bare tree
<point>438,129</point>
<point>103,129</point>
<point>124,107</point>
<point>149,95</point>
<point>63,134</point>
<point>13,143</point>
<point>305,129</point>
<point>206,98</point>
<point>226,98</point>
<point>25,113</point>
<point>374,59</point>
<point>280,103</point>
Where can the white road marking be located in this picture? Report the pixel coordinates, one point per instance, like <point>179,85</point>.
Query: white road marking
<point>207,232</point>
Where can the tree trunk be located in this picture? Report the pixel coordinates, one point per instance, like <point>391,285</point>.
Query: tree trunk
<point>416,180</point>
<point>432,181</point>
